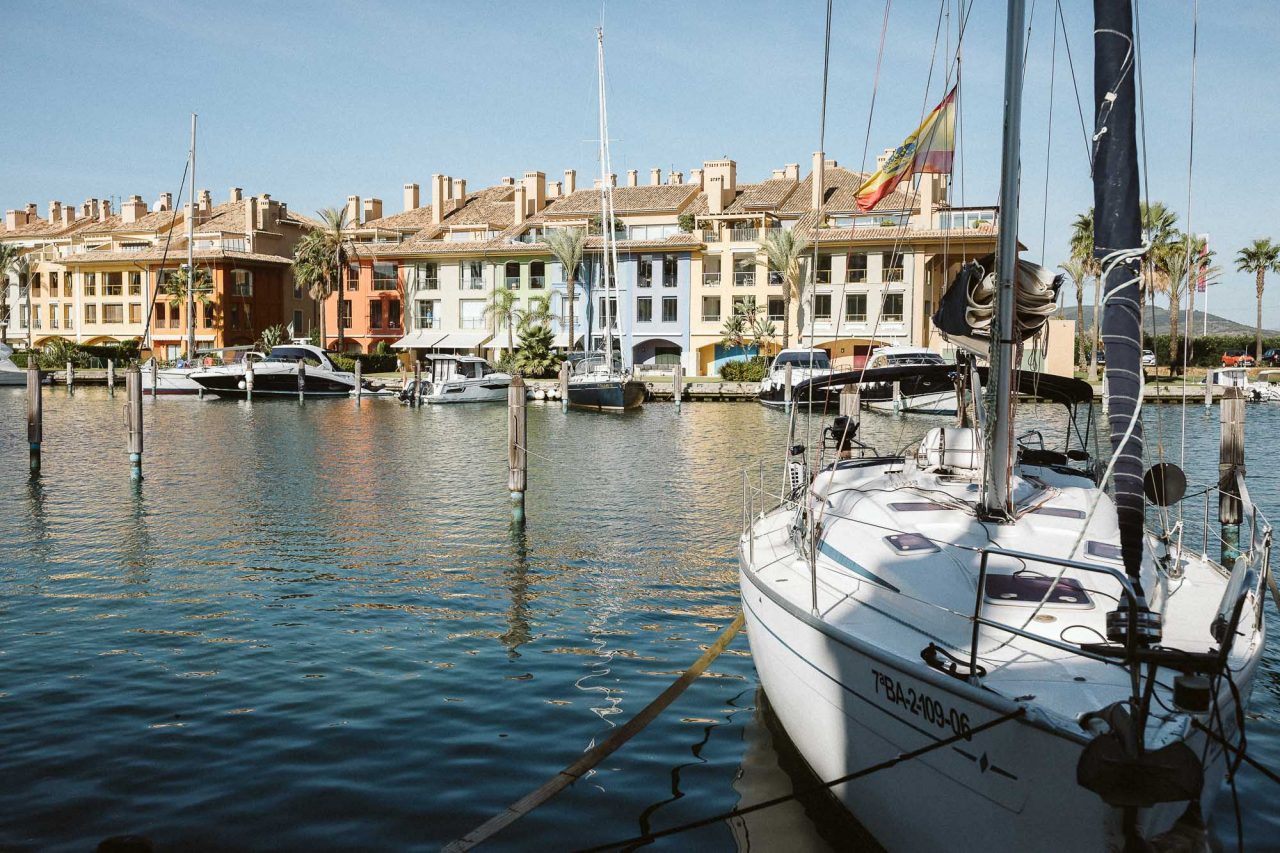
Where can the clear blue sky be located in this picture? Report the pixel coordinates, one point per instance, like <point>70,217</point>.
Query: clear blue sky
<point>314,101</point>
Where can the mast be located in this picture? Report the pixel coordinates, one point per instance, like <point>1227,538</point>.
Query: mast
<point>1118,227</point>
<point>995,493</point>
<point>606,203</point>
<point>191,241</point>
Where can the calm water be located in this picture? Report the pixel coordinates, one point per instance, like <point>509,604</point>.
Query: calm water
<point>315,627</point>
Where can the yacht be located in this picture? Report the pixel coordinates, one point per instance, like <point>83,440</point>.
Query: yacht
<point>595,384</point>
<point>805,363</point>
<point>459,379</point>
<point>919,395</point>
<point>277,375</point>
<point>178,378</point>
<point>1261,390</point>
<point>10,373</point>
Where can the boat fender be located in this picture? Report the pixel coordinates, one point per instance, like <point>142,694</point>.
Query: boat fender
<point>1170,774</point>
<point>953,666</point>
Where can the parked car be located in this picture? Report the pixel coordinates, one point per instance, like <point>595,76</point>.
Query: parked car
<point>1271,357</point>
<point>1102,356</point>
<point>1237,358</point>
<point>1148,358</point>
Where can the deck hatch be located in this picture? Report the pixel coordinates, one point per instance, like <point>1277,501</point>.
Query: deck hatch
<point>1103,550</point>
<point>1059,511</point>
<point>911,543</point>
<point>1025,588</point>
<point>918,506</point>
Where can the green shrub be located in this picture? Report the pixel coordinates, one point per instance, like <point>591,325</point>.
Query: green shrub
<point>747,370</point>
<point>369,362</point>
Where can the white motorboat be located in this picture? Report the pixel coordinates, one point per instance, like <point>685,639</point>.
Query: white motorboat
<point>805,363</point>
<point>1238,377</point>
<point>915,395</point>
<point>1063,676</point>
<point>177,378</point>
<point>10,373</point>
<point>460,379</point>
<point>277,375</point>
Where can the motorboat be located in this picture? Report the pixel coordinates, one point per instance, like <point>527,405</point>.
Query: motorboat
<point>597,384</point>
<point>459,379</point>
<point>1259,390</point>
<point>805,363</point>
<point>10,373</point>
<point>277,375</point>
<point>177,378</point>
<point>920,395</point>
<point>992,609</point>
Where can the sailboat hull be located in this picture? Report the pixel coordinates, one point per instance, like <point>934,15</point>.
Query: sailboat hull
<point>847,705</point>
<point>607,394</point>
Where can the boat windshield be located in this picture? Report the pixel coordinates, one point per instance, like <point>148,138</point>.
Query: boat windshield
<point>909,358</point>
<point>816,360</point>
<point>294,354</point>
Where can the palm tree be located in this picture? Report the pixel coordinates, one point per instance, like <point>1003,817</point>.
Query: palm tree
<point>502,307</point>
<point>537,314</point>
<point>1082,251</point>
<point>1159,224</point>
<point>567,245</point>
<point>311,269</point>
<point>1260,258</point>
<point>177,283</point>
<point>21,267</point>
<point>9,254</point>
<point>1076,270</point>
<point>784,249</point>
<point>341,248</point>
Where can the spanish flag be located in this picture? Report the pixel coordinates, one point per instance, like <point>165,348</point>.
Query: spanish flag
<point>930,149</point>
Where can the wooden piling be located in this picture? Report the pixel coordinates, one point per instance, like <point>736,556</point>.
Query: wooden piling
<point>897,398</point>
<point>417,382</point>
<point>133,420</point>
<point>111,377</point>
<point>35,416</point>
<point>358,381</point>
<point>1208,389</point>
<point>786,392</point>
<point>564,384</point>
<point>1230,467</point>
<point>155,379</point>
<point>849,401</point>
<point>71,376</point>
<point>677,384</point>
<point>302,381</point>
<point>517,434</point>
<point>248,379</point>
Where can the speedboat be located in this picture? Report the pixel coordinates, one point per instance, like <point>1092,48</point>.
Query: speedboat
<point>460,379</point>
<point>1238,377</point>
<point>277,375</point>
<point>594,384</point>
<point>920,395</point>
<point>805,364</point>
<point>177,379</point>
<point>10,373</point>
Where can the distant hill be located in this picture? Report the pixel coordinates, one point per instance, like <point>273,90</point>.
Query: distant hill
<point>1217,325</point>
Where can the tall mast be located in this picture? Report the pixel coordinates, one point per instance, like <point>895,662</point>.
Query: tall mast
<point>995,493</point>
<point>606,203</point>
<point>191,242</point>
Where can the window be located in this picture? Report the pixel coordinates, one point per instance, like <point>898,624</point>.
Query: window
<point>776,311</point>
<point>90,284</point>
<point>891,308</point>
<point>393,314</point>
<point>384,276</point>
<point>892,266</point>
<point>538,275</point>
<point>744,270</point>
<point>91,314</point>
<point>35,316</point>
<point>511,275</point>
<point>855,307</point>
<point>135,312</point>
<point>346,314</point>
<point>242,282</point>
<point>161,313</point>
<point>612,312</point>
<point>428,310</point>
<point>353,276</point>
<point>471,313</point>
<point>207,311</point>
<point>669,270</point>
<point>670,309</point>
<point>135,284</point>
<point>644,309</point>
<point>856,267</point>
<point>473,275</point>
<point>175,319</point>
<point>744,304</point>
<point>113,313</point>
<point>22,315</point>
<point>824,269</point>
<point>53,314</point>
<point>710,309</point>
<point>822,306</point>
<point>426,276</point>
<point>375,314</point>
<point>53,285</point>
<point>299,326</point>
<point>297,289</point>
<point>644,271</point>
<point>652,232</point>
<point>113,285</point>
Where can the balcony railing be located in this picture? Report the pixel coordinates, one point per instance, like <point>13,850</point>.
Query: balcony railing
<point>537,282</point>
<point>855,318</point>
<point>711,279</point>
<point>744,279</point>
<point>892,274</point>
<point>472,323</point>
<point>429,284</point>
<point>711,318</point>
<point>855,277</point>
<point>743,235</point>
<point>512,282</point>
<point>710,236</point>
<point>427,323</point>
<point>824,276</point>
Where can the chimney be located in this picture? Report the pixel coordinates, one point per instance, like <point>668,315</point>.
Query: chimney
<point>458,193</point>
<point>675,178</point>
<point>55,211</point>
<point>68,215</point>
<point>535,189</point>
<point>792,172</point>
<point>372,209</point>
<point>14,219</point>
<point>206,200</point>
<point>778,175</point>
<point>715,194</point>
<point>165,202</point>
<point>236,194</point>
<point>133,209</point>
<point>104,213</point>
<point>250,215</point>
<point>519,206</point>
<point>721,181</point>
<point>268,212</point>
<point>32,215</point>
<point>570,181</point>
<point>819,182</point>
<point>411,197</point>
<point>88,209</point>
<point>883,157</point>
<point>553,190</point>
<point>613,179</point>
<point>632,176</point>
<point>655,177</point>
<point>353,210</point>
<point>596,183</point>
<point>508,181</point>
<point>438,183</point>
<point>695,177</point>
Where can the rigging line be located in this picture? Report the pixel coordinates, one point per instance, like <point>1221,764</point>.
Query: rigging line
<point>1048,145</point>
<point>164,257</point>
<point>875,88</point>
<point>1191,151</point>
<point>1075,86</point>
<point>812,788</point>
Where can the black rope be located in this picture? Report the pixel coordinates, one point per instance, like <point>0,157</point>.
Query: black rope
<point>164,257</point>
<point>808,789</point>
<point>1239,754</point>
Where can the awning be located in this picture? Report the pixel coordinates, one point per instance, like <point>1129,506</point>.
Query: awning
<point>463,340</point>
<point>424,339</point>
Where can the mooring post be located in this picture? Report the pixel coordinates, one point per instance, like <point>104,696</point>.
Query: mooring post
<point>1230,468</point>
<point>417,382</point>
<point>786,391</point>
<point>358,388</point>
<point>302,380</point>
<point>849,401</point>
<point>1208,390</point>
<point>248,379</point>
<point>564,385</point>
<point>111,377</point>
<point>133,420</point>
<point>517,455</point>
<point>897,398</point>
<point>155,379</point>
<point>35,416</point>
<point>677,384</point>
<point>71,376</point>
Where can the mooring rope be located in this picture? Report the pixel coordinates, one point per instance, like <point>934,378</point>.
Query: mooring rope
<point>595,755</point>
<point>809,789</point>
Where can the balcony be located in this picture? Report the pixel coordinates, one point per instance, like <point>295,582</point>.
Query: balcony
<point>537,282</point>
<point>512,282</point>
<point>744,279</point>
<point>855,318</point>
<point>472,323</point>
<point>823,276</point>
<point>855,277</point>
<point>892,274</point>
<point>711,279</point>
<point>710,236</point>
<point>744,235</point>
<point>711,318</point>
<point>428,322</point>
<point>430,284</point>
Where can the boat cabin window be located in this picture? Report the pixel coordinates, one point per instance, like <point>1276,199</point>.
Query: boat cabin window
<point>818,360</point>
<point>295,354</point>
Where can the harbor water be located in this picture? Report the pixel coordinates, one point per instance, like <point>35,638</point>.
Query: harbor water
<point>315,627</point>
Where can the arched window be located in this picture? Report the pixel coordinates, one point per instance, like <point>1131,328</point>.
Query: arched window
<point>537,275</point>
<point>512,274</point>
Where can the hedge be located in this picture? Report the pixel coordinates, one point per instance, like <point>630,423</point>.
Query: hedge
<point>1206,350</point>
<point>750,370</point>
<point>369,362</point>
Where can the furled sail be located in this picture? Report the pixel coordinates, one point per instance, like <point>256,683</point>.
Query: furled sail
<point>965,312</point>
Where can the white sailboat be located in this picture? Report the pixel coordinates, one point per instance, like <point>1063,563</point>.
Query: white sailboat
<point>10,373</point>
<point>1072,680</point>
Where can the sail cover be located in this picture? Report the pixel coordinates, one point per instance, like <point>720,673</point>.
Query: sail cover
<point>965,311</point>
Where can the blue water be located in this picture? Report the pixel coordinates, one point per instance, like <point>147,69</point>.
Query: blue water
<point>316,627</point>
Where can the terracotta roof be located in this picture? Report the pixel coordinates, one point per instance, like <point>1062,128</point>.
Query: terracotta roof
<point>40,228</point>
<point>764,196</point>
<point>177,254</point>
<point>841,185</point>
<point>409,220</point>
<point>151,223</point>
<point>671,198</point>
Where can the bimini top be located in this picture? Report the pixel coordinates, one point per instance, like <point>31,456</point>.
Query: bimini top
<point>1066,390</point>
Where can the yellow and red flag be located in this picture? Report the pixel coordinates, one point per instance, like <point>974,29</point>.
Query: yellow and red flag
<point>930,149</point>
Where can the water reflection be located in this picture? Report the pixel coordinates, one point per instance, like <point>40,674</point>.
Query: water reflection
<point>517,582</point>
